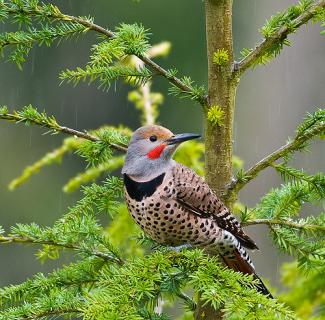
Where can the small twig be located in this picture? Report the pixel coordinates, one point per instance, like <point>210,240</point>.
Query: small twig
<point>291,224</point>
<point>25,240</point>
<point>251,173</point>
<point>282,33</point>
<point>66,130</point>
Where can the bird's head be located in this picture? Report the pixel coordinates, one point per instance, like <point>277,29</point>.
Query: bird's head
<point>151,149</point>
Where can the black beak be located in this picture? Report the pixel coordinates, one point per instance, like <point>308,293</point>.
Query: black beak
<point>179,138</point>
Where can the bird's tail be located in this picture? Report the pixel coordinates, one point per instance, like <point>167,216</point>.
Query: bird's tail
<point>244,265</point>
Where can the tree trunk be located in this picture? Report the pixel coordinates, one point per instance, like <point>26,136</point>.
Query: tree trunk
<point>221,91</point>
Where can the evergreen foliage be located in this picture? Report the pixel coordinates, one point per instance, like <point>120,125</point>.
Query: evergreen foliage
<point>34,20</point>
<point>107,57</point>
<point>117,272</point>
<point>313,127</point>
<point>306,291</point>
<point>276,30</point>
<point>220,57</point>
<point>302,238</point>
<point>45,23</point>
<point>195,93</point>
<point>215,115</point>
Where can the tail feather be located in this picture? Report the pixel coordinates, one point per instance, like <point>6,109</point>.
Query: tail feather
<point>240,264</point>
<point>260,287</point>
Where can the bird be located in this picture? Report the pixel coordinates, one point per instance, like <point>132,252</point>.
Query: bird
<point>175,207</point>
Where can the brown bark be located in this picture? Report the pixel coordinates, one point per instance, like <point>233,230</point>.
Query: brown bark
<point>221,93</point>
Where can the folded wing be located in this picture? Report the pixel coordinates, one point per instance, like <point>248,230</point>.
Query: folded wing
<point>194,193</point>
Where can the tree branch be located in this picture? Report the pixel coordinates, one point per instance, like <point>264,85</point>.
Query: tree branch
<point>281,34</point>
<point>291,224</point>
<point>111,35</point>
<point>57,128</point>
<point>153,65</point>
<point>25,240</point>
<point>238,183</point>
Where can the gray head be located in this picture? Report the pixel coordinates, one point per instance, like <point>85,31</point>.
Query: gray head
<point>150,151</point>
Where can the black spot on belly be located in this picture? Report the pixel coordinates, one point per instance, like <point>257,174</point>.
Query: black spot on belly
<point>140,190</point>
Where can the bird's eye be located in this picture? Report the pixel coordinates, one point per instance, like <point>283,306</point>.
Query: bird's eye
<point>153,138</point>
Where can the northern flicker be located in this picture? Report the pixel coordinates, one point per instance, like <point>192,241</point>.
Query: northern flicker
<point>175,206</point>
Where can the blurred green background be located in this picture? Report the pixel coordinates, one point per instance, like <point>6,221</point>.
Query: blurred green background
<point>271,101</point>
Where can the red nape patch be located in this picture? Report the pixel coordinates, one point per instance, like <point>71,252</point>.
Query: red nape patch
<point>156,152</point>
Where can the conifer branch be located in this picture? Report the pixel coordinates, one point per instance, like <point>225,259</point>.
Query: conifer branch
<point>287,223</point>
<point>25,240</point>
<point>313,126</point>
<point>170,76</point>
<point>29,115</point>
<point>53,14</point>
<point>269,45</point>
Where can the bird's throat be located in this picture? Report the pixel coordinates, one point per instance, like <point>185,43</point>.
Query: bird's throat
<point>140,190</point>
